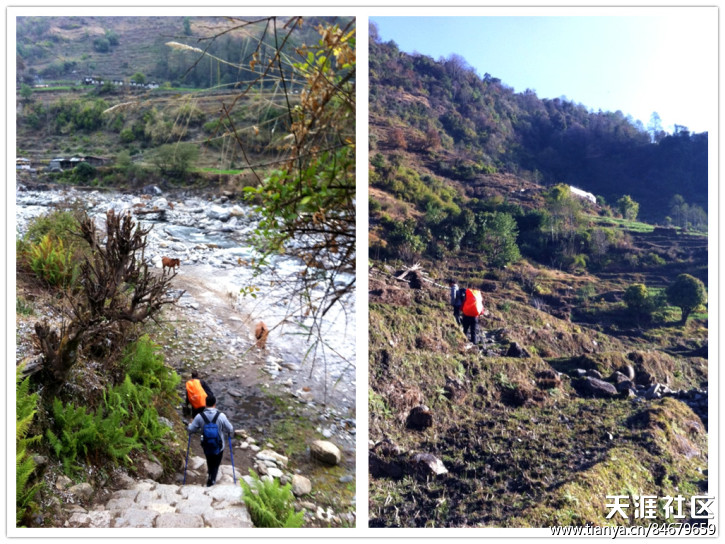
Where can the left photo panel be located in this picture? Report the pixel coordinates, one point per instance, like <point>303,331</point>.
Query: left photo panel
<point>184,278</point>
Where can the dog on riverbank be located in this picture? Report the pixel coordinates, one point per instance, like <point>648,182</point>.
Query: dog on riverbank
<point>260,333</point>
<point>168,262</point>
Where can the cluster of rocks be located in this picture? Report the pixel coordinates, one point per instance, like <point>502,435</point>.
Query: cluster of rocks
<point>625,382</point>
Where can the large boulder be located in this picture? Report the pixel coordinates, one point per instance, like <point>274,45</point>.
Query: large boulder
<point>326,452</point>
<point>420,418</point>
<point>592,387</point>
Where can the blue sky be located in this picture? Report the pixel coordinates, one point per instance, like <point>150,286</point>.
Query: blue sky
<point>664,62</point>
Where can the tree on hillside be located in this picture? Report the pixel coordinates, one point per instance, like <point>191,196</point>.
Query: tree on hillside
<point>687,293</point>
<point>139,78</point>
<point>628,207</point>
<point>498,239</point>
<point>175,159</point>
<point>639,301</point>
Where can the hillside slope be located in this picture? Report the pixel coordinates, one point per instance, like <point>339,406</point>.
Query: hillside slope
<point>573,391</point>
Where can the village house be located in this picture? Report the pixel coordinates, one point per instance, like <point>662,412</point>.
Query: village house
<point>62,163</point>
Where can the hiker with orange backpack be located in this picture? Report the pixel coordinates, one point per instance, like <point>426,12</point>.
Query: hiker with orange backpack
<point>196,393</point>
<point>471,307</point>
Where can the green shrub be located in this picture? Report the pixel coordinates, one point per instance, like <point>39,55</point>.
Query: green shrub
<point>127,135</point>
<point>22,307</point>
<point>25,409</point>
<point>270,505</point>
<point>145,365</point>
<point>59,224</point>
<point>52,262</point>
<point>83,172</point>
<point>126,419</point>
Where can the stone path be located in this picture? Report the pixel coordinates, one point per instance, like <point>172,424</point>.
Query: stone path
<point>149,504</point>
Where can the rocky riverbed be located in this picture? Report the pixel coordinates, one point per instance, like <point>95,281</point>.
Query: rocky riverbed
<point>279,398</point>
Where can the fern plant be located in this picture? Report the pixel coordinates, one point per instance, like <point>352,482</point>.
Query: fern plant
<point>75,434</point>
<point>270,504</point>
<point>145,365</point>
<point>26,407</point>
<point>52,262</point>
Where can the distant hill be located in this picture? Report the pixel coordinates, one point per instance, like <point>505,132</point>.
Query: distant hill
<point>479,125</point>
<point>69,48</point>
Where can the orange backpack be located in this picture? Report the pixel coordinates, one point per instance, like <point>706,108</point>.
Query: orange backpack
<point>195,393</point>
<point>473,305</point>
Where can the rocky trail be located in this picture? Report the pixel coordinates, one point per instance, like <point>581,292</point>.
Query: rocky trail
<point>149,504</point>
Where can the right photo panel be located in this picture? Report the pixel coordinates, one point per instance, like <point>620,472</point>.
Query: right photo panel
<point>538,286</point>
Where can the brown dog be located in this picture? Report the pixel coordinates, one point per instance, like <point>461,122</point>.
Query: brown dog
<point>168,262</point>
<point>260,332</point>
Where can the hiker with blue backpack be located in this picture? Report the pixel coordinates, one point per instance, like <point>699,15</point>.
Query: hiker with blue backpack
<point>212,423</point>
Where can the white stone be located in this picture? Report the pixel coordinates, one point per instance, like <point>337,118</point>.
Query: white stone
<point>326,452</point>
<point>301,485</point>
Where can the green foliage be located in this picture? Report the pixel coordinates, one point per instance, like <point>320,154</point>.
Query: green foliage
<point>144,362</point>
<point>269,504</point>
<point>52,262</point>
<point>112,37</point>
<point>139,78</point>
<point>23,307</point>
<point>127,135</point>
<point>83,172</point>
<point>75,434</point>
<point>25,409</point>
<point>686,292</point>
<point>498,239</point>
<point>26,91</point>
<point>125,421</point>
<point>177,159</point>
<point>402,238</point>
<point>67,116</point>
<point>101,45</point>
<point>58,224</point>
<point>638,300</point>
<point>628,207</point>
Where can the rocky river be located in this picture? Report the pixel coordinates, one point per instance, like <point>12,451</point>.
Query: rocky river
<point>211,327</point>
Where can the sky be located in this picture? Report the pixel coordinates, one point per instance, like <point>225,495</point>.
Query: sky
<point>662,61</point>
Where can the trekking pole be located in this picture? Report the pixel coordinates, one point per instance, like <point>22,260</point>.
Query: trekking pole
<point>187,458</point>
<point>231,454</point>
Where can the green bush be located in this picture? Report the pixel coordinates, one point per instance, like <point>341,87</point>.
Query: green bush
<point>127,135</point>
<point>83,172</point>
<point>145,365</point>
<point>52,262</point>
<point>58,224</point>
<point>22,307</point>
<point>125,421</point>
<point>270,505</point>
<point>25,408</point>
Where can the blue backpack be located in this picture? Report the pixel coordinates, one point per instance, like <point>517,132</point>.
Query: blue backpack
<point>211,438</point>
